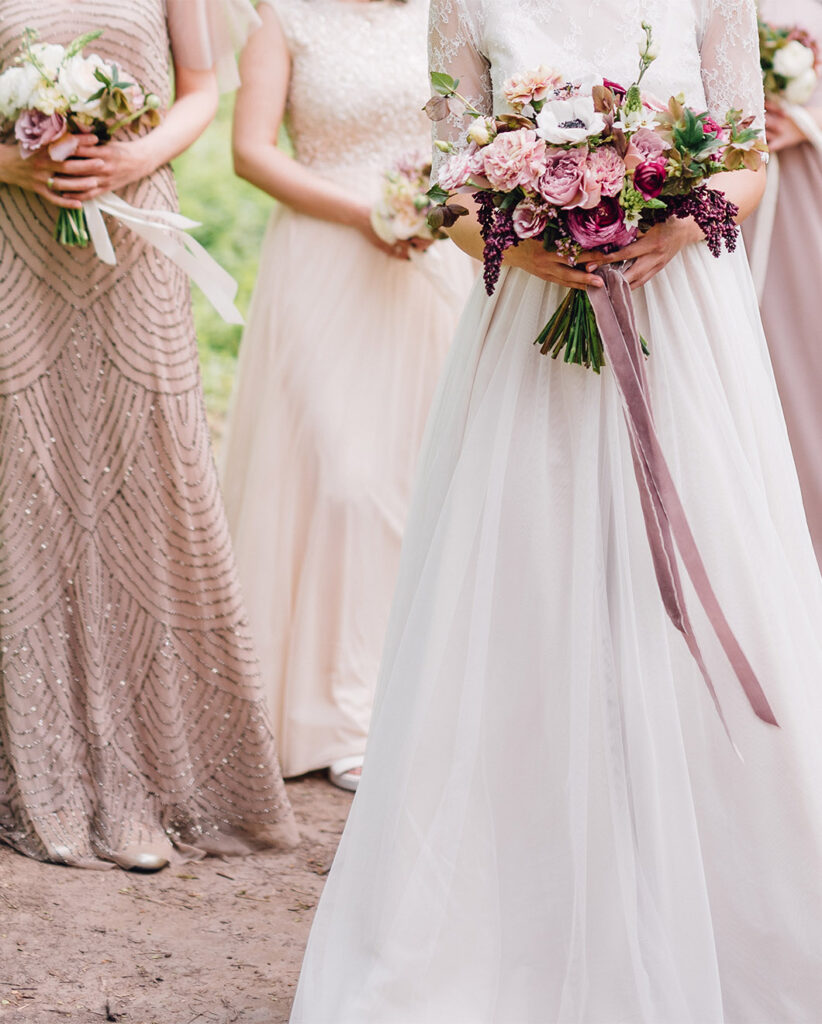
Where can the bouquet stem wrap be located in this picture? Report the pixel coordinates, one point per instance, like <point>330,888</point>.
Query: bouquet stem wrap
<point>766,215</point>
<point>167,232</point>
<point>665,520</point>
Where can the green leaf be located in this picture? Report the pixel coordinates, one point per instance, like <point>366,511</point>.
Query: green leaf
<point>444,84</point>
<point>437,194</point>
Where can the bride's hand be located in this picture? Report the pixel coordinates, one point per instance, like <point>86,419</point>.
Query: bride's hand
<point>532,257</point>
<point>61,183</point>
<point>650,253</point>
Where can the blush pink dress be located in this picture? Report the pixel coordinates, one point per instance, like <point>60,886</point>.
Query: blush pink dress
<point>130,701</point>
<point>790,302</point>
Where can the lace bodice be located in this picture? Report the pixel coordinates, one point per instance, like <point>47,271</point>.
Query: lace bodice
<point>358,83</point>
<point>708,48</point>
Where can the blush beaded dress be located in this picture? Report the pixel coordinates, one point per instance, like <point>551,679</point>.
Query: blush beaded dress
<point>552,826</point>
<point>130,703</point>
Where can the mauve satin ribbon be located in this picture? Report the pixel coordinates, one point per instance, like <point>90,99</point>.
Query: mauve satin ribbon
<point>665,520</point>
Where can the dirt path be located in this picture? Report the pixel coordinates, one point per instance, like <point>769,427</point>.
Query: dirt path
<point>206,943</point>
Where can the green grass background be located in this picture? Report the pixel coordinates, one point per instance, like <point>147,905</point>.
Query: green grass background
<point>234,216</point>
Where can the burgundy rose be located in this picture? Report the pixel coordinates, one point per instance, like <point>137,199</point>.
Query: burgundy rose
<point>602,227</point>
<point>649,178</point>
<point>618,90</point>
<point>35,130</point>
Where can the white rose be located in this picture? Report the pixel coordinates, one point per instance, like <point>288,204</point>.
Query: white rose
<point>49,57</point>
<point>569,121</point>
<point>16,88</point>
<point>800,89</point>
<point>482,130</point>
<point>793,59</point>
<point>77,81</point>
<point>48,99</point>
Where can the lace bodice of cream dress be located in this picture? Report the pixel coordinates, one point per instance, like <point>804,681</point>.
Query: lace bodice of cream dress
<point>358,84</point>
<point>705,47</point>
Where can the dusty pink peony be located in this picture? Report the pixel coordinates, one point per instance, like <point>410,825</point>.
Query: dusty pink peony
<point>530,219</point>
<point>561,181</point>
<point>515,158</point>
<point>35,130</point>
<point>608,170</point>
<point>649,178</point>
<point>602,227</point>
<point>645,145</point>
<point>532,85</point>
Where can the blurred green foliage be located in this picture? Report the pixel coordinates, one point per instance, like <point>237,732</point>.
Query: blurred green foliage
<point>234,216</point>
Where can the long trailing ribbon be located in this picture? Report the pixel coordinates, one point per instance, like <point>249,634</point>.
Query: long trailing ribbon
<point>665,520</point>
<point>766,215</point>
<point>167,232</point>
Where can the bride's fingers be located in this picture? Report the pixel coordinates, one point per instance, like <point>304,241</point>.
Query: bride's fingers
<point>66,202</point>
<point>56,184</point>
<point>77,167</point>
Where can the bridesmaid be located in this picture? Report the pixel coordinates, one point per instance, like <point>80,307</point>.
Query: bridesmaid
<point>790,300</point>
<point>338,365</point>
<point>132,727</point>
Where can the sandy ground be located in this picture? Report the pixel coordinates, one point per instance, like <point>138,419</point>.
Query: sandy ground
<point>207,943</point>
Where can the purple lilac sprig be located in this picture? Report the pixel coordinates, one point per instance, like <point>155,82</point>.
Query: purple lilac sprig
<point>497,230</point>
<point>715,215</point>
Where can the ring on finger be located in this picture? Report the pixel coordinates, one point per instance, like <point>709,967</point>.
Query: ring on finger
<point>50,184</point>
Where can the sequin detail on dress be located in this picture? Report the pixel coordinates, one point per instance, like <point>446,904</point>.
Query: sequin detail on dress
<point>129,697</point>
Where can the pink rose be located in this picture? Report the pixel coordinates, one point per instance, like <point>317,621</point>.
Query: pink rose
<point>35,130</point>
<point>561,181</point>
<point>530,219</point>
<point>601,228</point>
<point>515,159</point>
<point>645,145</point>
<point>608,170</point>
<point>649,178</point>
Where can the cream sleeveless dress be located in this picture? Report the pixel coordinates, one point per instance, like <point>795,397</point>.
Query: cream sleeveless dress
<point>337,369</point>
<point>130,702</point>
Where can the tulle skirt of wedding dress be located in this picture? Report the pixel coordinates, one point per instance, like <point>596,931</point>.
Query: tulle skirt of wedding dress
<point>337,370</point>
<point>552,825</point>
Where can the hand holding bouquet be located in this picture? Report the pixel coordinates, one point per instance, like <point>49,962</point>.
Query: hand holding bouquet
<point>54,95</point>
<point>587,170</point>
<point>403,206</point>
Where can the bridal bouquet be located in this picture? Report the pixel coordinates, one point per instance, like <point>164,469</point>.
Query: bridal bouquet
<point>403,206</point>
<point>586,169</point>
<point>790,63</point>
<point>54,94</point>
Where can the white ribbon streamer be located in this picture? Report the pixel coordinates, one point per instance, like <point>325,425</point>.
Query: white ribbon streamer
<point>167,232</point>
<point>766,216</point>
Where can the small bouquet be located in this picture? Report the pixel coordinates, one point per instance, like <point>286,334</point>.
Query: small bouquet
<point>586,169</point>
<point>402,209</point>
<point>790,63</point>
<point>54,94</point>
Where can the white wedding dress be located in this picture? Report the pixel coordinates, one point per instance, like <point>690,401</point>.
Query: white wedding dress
<point>552,825</point>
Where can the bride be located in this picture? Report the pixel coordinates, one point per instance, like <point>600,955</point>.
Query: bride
<point>552,825</point>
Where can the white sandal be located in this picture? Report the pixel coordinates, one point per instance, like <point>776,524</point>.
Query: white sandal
<point>345,773</point>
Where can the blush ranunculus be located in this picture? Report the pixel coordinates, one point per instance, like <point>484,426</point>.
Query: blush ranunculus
<point>604,226</point>
<point>530,86</point>
<point>649,178</point>
<point>530,219</point>
<point>561,182</point>
<point>608,170</point>
<point>514,159</point>
<point>35,130</point>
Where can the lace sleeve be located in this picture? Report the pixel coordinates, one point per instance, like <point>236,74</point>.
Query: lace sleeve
<point>206,34</point>
<point>454,48</point>
<point>730,59</point>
